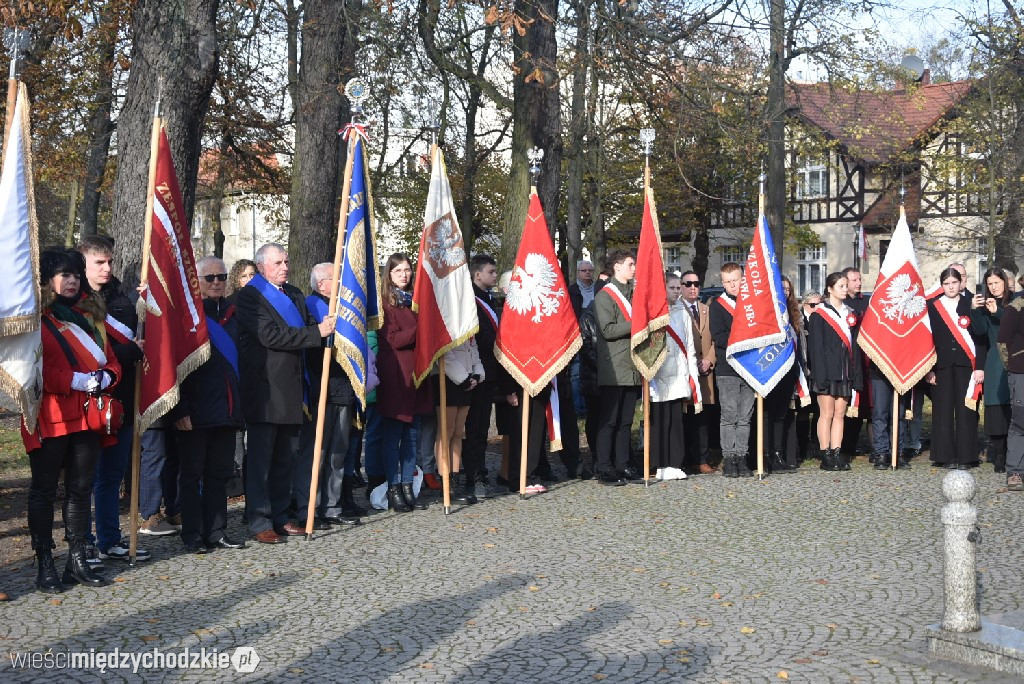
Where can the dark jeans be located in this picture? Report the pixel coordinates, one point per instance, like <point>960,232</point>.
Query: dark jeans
<point>207,461</point>
<point>1015,440</point>
<point>881,418</point>
<point>334,455</point>
<point>110,470</point>
<point>695,432</point>
<point>76,454</point>
<point>398,450</point>
<point>478,423</point>
<point>736,399</point>
<point>158,474</point>
<point>270,462</point>
<point>372,434</point>
<point>614,426</point>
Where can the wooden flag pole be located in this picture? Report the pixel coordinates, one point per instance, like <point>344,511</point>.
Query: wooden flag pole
<point>524,446</point>
<point>760,437</point>
<point>147,236</point>
<point>325,369</point>
<point>445,456</point>
<point>895,426</point>
<point>646,389</point>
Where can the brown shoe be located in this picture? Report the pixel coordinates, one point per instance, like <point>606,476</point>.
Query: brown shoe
<point>269,537</point>
<point>290,529</point>
<point>705,469</point>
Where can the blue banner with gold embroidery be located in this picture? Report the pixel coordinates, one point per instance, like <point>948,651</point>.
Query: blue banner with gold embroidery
<point>359,305</point>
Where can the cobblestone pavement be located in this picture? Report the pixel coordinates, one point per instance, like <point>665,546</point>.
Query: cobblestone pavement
<point>807,577</point>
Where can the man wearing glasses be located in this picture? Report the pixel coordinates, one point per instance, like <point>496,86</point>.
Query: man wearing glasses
<point>695,425</point>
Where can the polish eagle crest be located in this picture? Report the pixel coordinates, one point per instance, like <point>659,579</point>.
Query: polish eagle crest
<point>532,288</point>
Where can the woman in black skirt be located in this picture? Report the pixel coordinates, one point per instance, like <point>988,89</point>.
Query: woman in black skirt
<point>956,378</point>
<point>985,323</point>
<point>835,368</point>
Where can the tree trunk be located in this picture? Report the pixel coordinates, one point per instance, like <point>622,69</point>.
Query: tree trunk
<point>577,133</point>
<point>327,62</point>
<point>536,122</point>
<point>595,156</point>
<point>176,41</point>
<point>101,127</point>
<point>776,129</point>
<point>467,206</point>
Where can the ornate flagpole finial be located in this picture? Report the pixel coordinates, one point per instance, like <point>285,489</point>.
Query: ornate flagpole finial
<point>434,127</point>
<point>534,155</point>
<point>159,95</point>
<point>647,138</point>
<point>903,194</point>
<point>17,42</point>
<point>761,179</point>
<point>356,91</point>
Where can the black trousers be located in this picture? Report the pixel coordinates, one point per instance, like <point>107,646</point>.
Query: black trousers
<point>207,457</point>
<point>668,434</point>
<point>534,438</point>
<point>333,454</point>
<point>614,425</point>
<point>591,425</point>
<point>695,432</point>
<point>76,455</point>
<point>570,452</point>
<point>270,461</point>
<point>478,423</point>
<point>954,426</point>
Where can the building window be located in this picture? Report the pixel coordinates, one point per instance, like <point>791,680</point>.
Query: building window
<point>811,181</point>
<point>674,258</point>
<point>982,264</point>
<point>812,268</point>
<point>735,253</point>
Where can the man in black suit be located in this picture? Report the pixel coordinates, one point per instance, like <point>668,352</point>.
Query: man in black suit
<point>274,327</point>
<point>856,300</point>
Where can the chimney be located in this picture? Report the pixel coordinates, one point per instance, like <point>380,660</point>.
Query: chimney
<point>926,77</point>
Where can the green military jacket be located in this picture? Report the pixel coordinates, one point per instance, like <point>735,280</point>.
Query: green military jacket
<point>614,364</point>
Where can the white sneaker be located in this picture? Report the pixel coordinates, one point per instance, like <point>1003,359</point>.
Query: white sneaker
<point>119,551</point>
<point>660,474</point>
<point>674,474</point>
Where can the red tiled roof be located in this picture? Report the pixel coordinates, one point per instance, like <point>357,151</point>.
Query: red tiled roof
<point>873,126</point>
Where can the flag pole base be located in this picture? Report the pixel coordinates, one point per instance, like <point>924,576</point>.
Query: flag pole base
<point>309,537</point>
<point>760,477</point>
<point>647,483</point>
<point>522,497</point>
<point>132,562</point>
<point>447,510</point>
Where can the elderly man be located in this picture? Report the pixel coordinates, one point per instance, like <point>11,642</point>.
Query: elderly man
<point>696,425</point>
<point>206,418</point>
<point>581,293</point>
<point>274,328</point>
<point>335,501</point>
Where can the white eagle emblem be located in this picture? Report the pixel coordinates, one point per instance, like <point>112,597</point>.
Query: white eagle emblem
<point>532,288</point>
<point>902,299</point>
<point>443,245</point>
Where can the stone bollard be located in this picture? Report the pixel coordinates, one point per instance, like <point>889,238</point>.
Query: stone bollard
<point>961,535</point>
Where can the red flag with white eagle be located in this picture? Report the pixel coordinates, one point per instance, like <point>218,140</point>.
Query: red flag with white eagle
<point>895,332</point>
<point>443,295</point>
<point>538,334</point>
<point>177,341</point>
<point>650,300</point>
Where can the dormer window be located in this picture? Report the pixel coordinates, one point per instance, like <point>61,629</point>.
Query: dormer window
<point>811,180</point>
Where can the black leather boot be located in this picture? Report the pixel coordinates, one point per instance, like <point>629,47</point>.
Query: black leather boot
<point>47,580</point>
<point>349,509</point>
<point>778,463</point>
<point>881,461</point>
<point>843,459</point>
<point>395,500</point>
<point>999,459</point>
<point>742,469</point>
<point>729,468</point>
<point>828,461</point>
<point>410,499</point>
<point>78,571</point>
<point>461,491</point>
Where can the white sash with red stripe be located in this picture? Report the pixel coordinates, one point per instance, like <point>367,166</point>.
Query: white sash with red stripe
<point>83,345</point>
<point>620,299</point>
<point>691,368</point>
<point>489,311</point>
<point>554,417</point>
<point>728,302</point>
<point>837,320</point>
<point>947,310</point>
<point>121,332</point>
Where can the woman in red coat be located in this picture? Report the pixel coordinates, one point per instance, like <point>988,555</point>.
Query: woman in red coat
<point>399,401</point>
<point>77,360</point>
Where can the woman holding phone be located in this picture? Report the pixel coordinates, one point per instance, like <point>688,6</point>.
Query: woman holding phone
<point>985,321</point>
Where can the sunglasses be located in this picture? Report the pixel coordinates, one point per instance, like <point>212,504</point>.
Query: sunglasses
<point>215,276</point>
<point>692,283</point>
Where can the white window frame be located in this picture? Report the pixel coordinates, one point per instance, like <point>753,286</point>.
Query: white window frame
<point>812,172</point>
<point>673,258</point>
<point>735,253</point>
<point>812,268</point>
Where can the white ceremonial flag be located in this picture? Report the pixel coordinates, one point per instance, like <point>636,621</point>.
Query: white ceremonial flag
<point>20,343</point>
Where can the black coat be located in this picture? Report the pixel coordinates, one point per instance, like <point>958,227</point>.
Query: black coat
<point>210,395</point>
<point>121,306</point>
<point>270,357</point>
<point>948,351</point>
<point>486,337</point>
<point>828,358</point>
<point>339,387</point>
<point>588,352</point>
<point>721,325</point>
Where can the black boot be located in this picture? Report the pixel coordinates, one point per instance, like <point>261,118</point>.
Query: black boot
<point>460,489</point>
<point>999,459</point>
<point>881,461</point>
<point>47,580</point>
<point>372,482</point>
<point>742,469</point>
<point>779,464</point>
<point>410,499</point>
<point>844,459</point>
<point>829,462</point>
<point>78,571</point>
<point>349,509</point>
<point>395,500</point>
<point>729,468</point>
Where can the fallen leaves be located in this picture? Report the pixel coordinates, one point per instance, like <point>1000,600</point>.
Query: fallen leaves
<point>55,602</point>
<point>820,653</point>
<point>747,630</point>
<point>664,642</point>
<point>148,638</point>
<point>534,588</point>
<point>716,595</point>
<point>874,661</point>
<point>821,581</point>
<point>703,622</point>
<point>803,661</point>
<point>782,674</point>
<point>600,676</point>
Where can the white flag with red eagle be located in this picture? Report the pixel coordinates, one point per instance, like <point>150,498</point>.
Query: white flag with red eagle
<point>443,294</point>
